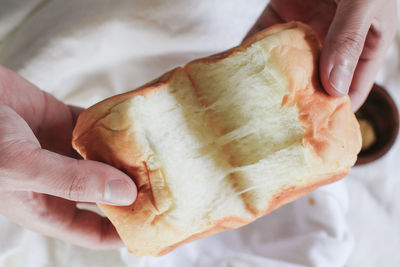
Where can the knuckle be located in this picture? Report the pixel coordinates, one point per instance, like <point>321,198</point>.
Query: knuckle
<point>350,44</point>
<point>75,189</point>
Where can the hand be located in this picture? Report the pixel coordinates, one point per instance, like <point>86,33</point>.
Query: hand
<point>355,34</point>
<point>42,178</point>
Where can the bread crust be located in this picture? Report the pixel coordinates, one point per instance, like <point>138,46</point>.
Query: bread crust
<point>330,132</point>
<point>280,199</point>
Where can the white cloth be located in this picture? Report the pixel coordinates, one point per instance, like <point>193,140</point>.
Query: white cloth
<point>85,50</point>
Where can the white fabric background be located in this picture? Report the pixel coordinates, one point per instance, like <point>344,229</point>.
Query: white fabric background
<point>85,50</point>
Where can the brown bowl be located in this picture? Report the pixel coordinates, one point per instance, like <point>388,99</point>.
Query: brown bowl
<point>381,112</point>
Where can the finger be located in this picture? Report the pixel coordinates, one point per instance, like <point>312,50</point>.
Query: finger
<point>13,128</point>
<point>54,131</point>
<point>268,18</point>
<point>377,43</point>
<point>50,120</point>
<point>82,227</point>
<point>317,14</point>
<point>25,166</point>
<point>363,80</point>
<point>90,230</point>
<point>63,220</point>
<point>75,111</point>
<point>59,218</point>
<point>22,96</point>
<point>366,71</point>
<point>78,180</point>
<point>343,45</point>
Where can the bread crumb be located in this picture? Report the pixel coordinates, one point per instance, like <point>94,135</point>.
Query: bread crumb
<point>311,201</point>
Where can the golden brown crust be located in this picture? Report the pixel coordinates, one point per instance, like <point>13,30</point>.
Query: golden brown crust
<point>280,199</point>
<point>217,226</point>
<point>260,35</point>
<point>293,193</point>
<point>92,115</point>
<point>319,114</point>
<point>329,123</point>
<point>126,153</point>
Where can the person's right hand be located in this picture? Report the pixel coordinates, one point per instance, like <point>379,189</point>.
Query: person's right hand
<point>355,34</point>
<point>42,178</point>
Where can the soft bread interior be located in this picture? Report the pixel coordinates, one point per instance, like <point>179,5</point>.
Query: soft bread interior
<point>224,140</point>
<point>232,169</point>
<point>174,125</point>
<point>244,95</point>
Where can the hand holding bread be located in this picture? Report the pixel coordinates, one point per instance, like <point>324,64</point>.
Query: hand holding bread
<point>43,178</point>
<point>356,35</point>
<point>223,140</point>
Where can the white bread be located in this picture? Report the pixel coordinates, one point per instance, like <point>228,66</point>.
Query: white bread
<point>224,140</point>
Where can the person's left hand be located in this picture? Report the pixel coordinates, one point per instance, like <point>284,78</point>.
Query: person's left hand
<point>42,178</point>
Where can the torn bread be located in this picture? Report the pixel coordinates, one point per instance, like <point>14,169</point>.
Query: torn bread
<point>222,141</point>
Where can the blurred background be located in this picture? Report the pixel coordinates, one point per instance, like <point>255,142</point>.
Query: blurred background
<point>83,51</point>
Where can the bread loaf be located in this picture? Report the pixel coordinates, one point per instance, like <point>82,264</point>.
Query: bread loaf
<point>223,140</point>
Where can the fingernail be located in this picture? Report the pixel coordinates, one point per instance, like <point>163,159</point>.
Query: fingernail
<point>340,78</point>
<point>118,192</point>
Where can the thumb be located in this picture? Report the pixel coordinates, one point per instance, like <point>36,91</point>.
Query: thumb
<point>344,44</point>
<point>24,166</point>
<point>78,180</point>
